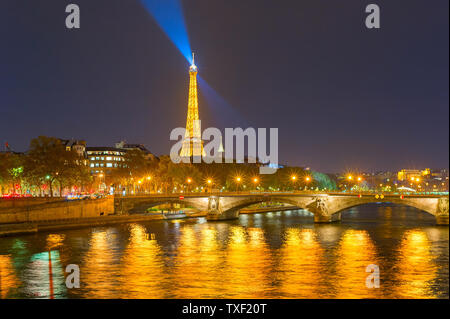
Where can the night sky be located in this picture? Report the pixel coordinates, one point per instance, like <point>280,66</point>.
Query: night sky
<point>342,96</point>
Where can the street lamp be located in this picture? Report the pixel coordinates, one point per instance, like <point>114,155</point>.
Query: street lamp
<point>209,182</point>
<point>189,181</point>
<point>293,179</point>
<point>255,181</point>
<point>148,178</point>
<point>101,175</point>
<point>238,181</point>
<point>307,180</point>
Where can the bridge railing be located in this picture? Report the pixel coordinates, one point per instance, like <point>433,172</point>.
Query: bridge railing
<point>284,193</point>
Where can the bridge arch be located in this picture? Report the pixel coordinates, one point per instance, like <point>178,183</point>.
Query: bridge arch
<point>134,205</point>
<point>230,207</point>
<point>252,201</point>
<point>422,204</point>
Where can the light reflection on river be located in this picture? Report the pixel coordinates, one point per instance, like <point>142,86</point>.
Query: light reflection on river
<point>271,255</point>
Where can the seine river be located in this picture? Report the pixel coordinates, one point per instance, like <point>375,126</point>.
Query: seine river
<point>269,255</point>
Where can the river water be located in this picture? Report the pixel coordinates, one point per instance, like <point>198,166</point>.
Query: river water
<point>268,255</point>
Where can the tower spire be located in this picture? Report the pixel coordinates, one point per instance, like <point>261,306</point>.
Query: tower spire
<point>193,58</point>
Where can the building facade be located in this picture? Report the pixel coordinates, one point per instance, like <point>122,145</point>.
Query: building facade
<point>103,160</point>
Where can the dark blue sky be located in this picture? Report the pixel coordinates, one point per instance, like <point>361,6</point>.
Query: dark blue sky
<point>341,95</point>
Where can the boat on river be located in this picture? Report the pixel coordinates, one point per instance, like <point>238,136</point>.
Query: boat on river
<point>178,214</point>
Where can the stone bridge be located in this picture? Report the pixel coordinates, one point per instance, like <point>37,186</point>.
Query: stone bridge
<point>325,207</point>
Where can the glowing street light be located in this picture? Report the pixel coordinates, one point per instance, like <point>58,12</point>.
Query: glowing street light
<point>189,181</point>
<point>350,177</point>
<point>307,179</point>
<point>293,178</point>
<point>256,181</point>
<point>209,181</point>
<point>238,181</point>
<point>359,178</point>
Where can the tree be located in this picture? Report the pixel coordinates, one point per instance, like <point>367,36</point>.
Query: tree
<point>11,171</point>
<point>49,162</point>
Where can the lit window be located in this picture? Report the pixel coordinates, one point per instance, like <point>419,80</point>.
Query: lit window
<point>109,158</point>
<point>92,158</point>
<point>97,158</point>
<point>108,164</point>
<point>102,158</point>
<point>92,165</point>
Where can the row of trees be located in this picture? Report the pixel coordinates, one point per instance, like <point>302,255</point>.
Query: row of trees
<point>48,168</point>
<point>165,176</point>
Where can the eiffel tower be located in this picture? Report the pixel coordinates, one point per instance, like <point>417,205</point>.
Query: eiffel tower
<point>192,145</point>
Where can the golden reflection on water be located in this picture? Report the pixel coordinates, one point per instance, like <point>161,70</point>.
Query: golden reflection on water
<point>300,266</point>
<point>247,266</point>
<point>98,269</point>
<point>355,252</point>
<point>227,260</point>
<point>8,278</point>
<point>415,270</point>
<point>198,263</point>
<point>54,241</point>
<point>142,266</point>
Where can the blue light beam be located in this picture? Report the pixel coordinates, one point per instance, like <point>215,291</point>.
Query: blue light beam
<point>168,14</point>
<point>223,112</point>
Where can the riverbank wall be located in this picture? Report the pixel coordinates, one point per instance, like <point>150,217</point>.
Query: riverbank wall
<point>60,215</point>
<point>13,212</point>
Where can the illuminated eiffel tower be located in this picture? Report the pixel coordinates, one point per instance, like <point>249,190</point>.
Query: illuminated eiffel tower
<point>192,144</point>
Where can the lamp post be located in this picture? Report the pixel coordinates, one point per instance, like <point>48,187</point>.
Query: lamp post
<point>101,175</point>
<point>293,179</point>
<point>238,181</point>
<point>188,181</point>
<point>139,186</point>
<point>149,178</point>
<point>307,180</point>
<point>256,182</point>
<point>209,182</point>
